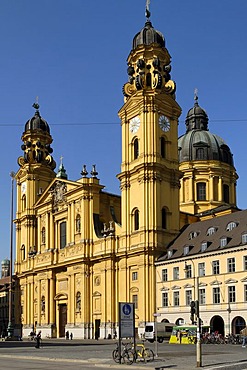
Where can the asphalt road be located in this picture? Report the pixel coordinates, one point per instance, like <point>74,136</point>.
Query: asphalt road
<point>62,354</point>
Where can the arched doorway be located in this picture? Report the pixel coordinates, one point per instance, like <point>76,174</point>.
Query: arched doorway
<point>238,323</point>
<point>217,324</point>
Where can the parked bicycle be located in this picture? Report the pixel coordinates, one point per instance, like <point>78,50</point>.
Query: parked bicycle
<point>143,353</point>
<point>127,354</point>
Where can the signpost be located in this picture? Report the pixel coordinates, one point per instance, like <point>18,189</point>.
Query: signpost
<point>126,319</point>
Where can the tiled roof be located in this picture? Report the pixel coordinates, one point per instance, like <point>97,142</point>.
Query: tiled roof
<point>197,233</point>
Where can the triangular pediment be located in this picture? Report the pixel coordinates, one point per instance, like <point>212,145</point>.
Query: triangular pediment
<point>175,287</point>
<point>186,286</point>
<point>216,282</point>
<point>164,289</point>
<point>47,195</point>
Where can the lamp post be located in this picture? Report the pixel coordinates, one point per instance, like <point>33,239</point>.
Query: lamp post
<point>198,332</point>
<point>10,328</point>
<point>156,332</point>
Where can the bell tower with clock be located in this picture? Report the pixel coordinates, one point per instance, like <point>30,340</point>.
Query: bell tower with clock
<point>149,177</point>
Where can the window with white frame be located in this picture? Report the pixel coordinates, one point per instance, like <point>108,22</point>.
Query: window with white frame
<point>223,241</point>
<point>202,296</point>
<point>216,267</point>
<point>165,299</point>
<point>216,295</point>
<point>176,298</point>
<point>186,250</point>
<point>231,294</point>
<point>164,275</point>
<point>244,238</point>
<point>204,246</point>
<point>231,264</point>
<point>201,269</point>
<point>211,231</point>
<point>188,297</point>
<point>175,273</point>
<point>231,226</point>
<point>188,271</point>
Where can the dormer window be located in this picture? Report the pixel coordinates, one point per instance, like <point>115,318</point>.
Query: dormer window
<point>244,238</point>
<point>204,246</point>
<point>231,226</point>
<point>170,253</point>
<point>223,241</point>
<point>211,231</point>
<point>193,234</point>
<point>186,250</point>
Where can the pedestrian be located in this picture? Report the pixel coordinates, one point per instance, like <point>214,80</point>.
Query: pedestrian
<point>38,339</point>
<point>243,332</point>
<point>67,334</point>
<point>71,336</point>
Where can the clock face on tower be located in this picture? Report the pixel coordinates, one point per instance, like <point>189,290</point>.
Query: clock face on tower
<point>134,124</point>
<point>164,123</point>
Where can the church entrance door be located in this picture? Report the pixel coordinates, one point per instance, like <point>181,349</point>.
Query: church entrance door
<point>62,319</point>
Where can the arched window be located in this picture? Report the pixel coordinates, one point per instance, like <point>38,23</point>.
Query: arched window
<point>43,304</point>
<point>23,254</point>
<point>62,234</point>
<point>136,148</point>
<point>201,190</point>
<point>136,219</point>
<point>78,224</point>
<point>226,193</point>
<point>43,235</point>
<point>78,302</point>
<point>164,218</point>
<point>162,147</point>
<point>23,203</point>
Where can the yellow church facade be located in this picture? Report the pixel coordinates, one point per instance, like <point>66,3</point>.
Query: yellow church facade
<point>80,250</point>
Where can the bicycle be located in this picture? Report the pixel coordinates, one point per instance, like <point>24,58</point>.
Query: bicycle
<point>127,354</point>
<point>144,353</point>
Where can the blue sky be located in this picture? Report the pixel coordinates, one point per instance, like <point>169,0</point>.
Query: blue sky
<point>72,54</point>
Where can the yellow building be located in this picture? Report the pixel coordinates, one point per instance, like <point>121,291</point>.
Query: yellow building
<point>81,250</point>
<point>207,262</point>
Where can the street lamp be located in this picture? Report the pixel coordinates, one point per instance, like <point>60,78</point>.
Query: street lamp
<point>196,298</point>
<point>10,328</point>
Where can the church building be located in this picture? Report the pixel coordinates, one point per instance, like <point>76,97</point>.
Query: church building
<point>79,249</point>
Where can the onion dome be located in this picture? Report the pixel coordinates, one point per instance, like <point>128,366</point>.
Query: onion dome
<point>37,122</point>
<point>200,144</point>
<point>5,262</point>
<point>148,35</point>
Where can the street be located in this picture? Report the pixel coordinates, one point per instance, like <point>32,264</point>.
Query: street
<point>84,354</point>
